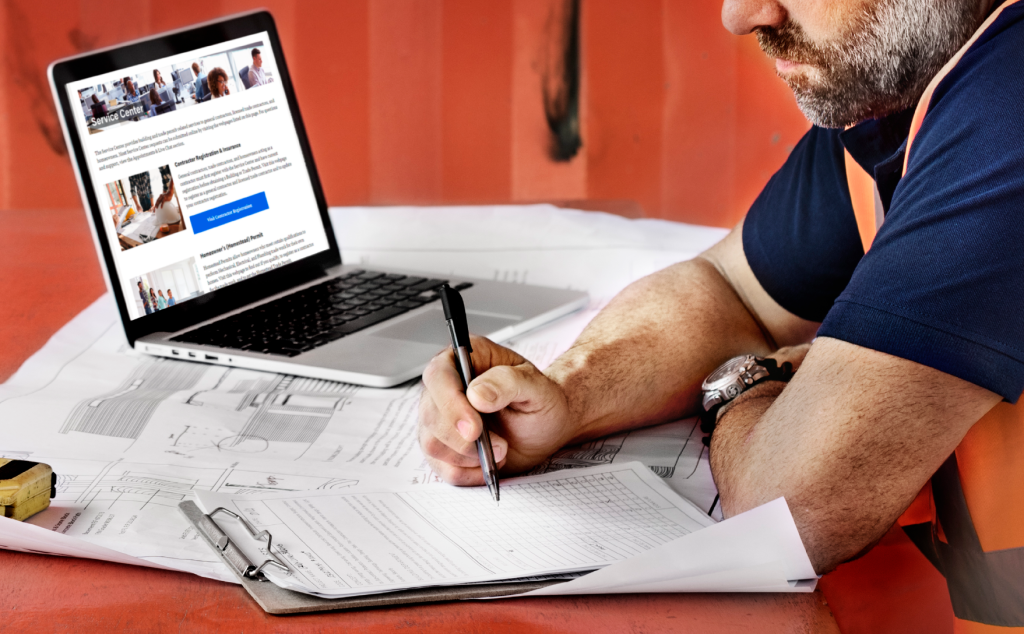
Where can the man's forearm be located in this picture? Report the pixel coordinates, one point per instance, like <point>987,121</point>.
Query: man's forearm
<point>643,358</point>
<point>733,445</point>
<point>751,466</point>
<point>742,459</point>
<point>847,454</point>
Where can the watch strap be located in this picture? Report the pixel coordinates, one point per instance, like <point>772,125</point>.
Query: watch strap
<point>776,372</point>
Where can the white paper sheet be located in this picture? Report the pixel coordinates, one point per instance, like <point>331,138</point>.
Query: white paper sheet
<point>130,505</point>
<point>26,537</point>
<point>756,551</point>
<point>358,543</point>
<point>130,435</point>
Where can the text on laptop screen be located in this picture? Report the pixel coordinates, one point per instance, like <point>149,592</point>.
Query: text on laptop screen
<point>199,172</point>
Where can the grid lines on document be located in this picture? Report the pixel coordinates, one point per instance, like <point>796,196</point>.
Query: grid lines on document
<point>569,523</point>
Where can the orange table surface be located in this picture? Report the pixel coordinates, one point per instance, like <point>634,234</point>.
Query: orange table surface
<point>49,272</point>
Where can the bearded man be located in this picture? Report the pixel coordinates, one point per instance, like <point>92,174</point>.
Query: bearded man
<point>908,334</point>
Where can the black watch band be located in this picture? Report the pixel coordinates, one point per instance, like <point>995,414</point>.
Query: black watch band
<point>709,418</point>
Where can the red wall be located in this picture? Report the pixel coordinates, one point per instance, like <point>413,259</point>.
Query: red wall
<point>438,101</point>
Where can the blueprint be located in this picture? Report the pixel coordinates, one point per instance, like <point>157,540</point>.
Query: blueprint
<point>131,436</point>
<point>131,505</point>
<point>675,451</point>
<point>112,402</point>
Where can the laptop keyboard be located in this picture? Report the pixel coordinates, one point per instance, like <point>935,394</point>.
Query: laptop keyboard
<point>320,314</point>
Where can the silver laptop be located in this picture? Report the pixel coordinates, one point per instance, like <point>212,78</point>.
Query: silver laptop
<point>213,230</point>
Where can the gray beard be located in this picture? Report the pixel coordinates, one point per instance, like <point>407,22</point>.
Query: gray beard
<point>882,66</point>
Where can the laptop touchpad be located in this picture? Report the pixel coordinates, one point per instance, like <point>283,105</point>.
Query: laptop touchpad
<point>430,327</point>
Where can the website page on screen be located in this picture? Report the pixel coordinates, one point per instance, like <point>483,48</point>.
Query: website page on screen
<point>198,172</point>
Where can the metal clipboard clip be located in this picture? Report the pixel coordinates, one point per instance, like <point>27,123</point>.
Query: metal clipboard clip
<point>232,553</point>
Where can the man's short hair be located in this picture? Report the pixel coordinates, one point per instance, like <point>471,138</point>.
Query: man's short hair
<point>255,52</point>
<point>195,68</point>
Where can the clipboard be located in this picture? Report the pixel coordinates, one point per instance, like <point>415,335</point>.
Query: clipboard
<point>277,600</point>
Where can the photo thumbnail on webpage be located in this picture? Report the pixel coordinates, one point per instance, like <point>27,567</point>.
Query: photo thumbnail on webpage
<point>145,207</point>
<point>165,287</point>
<point>143,95</point>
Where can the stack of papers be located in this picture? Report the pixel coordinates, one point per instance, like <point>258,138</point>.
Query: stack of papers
<point>622,521</point>
<point>130,436</point>
<point>352,544</point>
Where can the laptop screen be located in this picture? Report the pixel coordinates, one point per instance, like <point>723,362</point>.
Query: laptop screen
<point>198,172</point>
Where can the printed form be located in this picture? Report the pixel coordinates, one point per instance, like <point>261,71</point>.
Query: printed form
<point>366,543</point>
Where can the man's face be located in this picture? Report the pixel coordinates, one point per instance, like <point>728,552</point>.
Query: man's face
<point>851,60</point>
<point>257,60</point>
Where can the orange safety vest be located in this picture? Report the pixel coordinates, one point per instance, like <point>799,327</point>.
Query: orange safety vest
<point>969,520</point>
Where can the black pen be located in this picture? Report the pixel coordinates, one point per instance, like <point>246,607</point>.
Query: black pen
<point>458,326</point>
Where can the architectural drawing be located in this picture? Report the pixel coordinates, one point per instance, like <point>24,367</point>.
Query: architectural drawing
<point>278,408</point>
<point>125,411</point>
<point>285,417</point>
<point>671,451</point>
<point>241,481</point>
<point>299,384</point>
<point>281,408</point>
<point>135,486</point>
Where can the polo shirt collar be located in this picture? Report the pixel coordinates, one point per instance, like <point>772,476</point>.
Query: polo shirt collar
<point>878,146</point>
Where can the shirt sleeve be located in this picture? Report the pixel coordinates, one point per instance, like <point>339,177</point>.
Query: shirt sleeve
<point>943,283</point>
<point>800,236</point>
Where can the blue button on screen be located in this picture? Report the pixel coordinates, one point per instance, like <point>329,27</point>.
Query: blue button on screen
<point>229,213</point>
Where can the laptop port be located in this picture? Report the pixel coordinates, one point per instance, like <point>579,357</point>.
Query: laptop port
<point>192,355</point>
<point>210,357</point>
<point>175,353</point>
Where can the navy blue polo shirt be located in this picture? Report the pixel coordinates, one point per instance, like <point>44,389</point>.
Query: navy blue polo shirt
<point>943,282</point>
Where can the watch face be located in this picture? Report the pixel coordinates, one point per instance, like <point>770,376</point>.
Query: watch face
<point>727,373</point>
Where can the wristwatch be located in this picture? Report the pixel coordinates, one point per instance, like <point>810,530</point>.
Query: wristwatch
<point>731,379</point>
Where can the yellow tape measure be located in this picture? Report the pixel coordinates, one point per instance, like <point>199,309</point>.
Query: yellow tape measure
<point>25,488</point>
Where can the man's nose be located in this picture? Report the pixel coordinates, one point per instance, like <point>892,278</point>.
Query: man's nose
<point>743,16</point>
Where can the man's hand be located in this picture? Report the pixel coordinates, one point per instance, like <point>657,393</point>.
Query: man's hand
<point>531,423</point>
<point>640,362</point>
